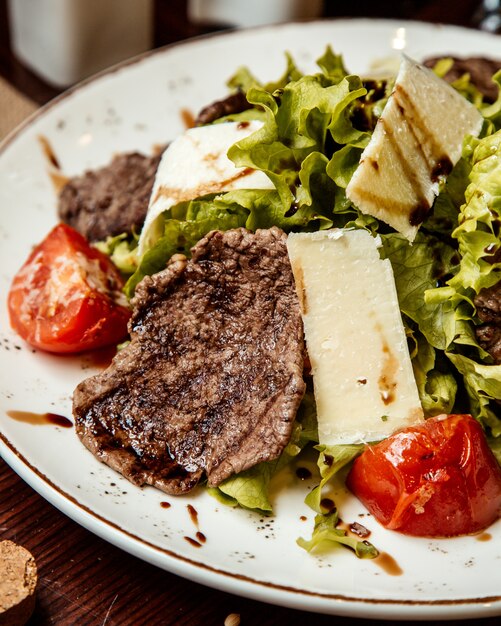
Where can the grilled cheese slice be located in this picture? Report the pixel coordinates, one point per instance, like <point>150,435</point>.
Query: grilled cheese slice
<point>416,142</point>
<point>194,165</point>
<point>362,373</point>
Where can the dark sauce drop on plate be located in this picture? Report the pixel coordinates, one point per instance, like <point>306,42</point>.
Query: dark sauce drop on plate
<point>39,419</point>
<point>359,530</point>
<point>484,537</point>
<point>303,473</point>
<point>188,118</point>
<point>56,176</point>
<point>165,505</point>
<point>193,514</point>
<point>388,564</point>
<point>201,537</point>
<point>327,505</point>
<point>193,542</point>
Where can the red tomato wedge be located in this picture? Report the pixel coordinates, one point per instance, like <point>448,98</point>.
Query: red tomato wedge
<point>438,479</point>
<point>68,297</point>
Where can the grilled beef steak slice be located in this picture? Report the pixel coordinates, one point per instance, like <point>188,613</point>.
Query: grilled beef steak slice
<point>480,70</point>
<point>234,103</point>
<point>212,379</point>
<point>110,200</point>
<point>488,303</point>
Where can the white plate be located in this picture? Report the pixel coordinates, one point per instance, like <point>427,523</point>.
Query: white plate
<point>137,106</point>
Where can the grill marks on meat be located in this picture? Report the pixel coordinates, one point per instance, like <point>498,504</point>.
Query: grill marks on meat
<point>480,69</point>
<point>488,303</point>
<point>110,200</point>
<point>212,379</point>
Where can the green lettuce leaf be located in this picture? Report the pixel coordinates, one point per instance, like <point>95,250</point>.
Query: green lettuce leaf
<point>479,246</point>
<point>483,386</point>
<point>243,79</point>
<point>492,112</point>
<point>417,267</point>
<point>479,222</point>
<point>122,249</point>
<point>495,446</point>
<point>331,460</point>
<point>248,489</point>
<point>326,534</point>
<point>301,118</point>
<point>184,225</point>
<point>435,381</point>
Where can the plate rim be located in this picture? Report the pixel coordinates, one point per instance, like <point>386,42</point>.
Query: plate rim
<point>336,604</point>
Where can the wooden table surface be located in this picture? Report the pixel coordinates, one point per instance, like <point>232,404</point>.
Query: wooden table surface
<point>82,579</point>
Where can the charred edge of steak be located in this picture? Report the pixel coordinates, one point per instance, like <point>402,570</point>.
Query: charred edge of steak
<point>480,69</point>
<point>111,200</point>
<point>489,337</point>
<point>163,472</point>
<point>212,378</point>
<point>488,304</point>
<point>235,103</point>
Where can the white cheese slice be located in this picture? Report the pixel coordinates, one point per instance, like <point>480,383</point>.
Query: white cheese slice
<point>196,164</point>
<point>416,142</point>
<point>362,373</point>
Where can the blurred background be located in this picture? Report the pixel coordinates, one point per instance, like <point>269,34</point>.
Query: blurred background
<point>44,44</point>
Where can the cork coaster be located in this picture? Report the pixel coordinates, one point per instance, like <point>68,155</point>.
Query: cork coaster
<point>14,108</point>
<point>18,581</point>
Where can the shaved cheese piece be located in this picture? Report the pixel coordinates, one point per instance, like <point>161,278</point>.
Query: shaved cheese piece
<point>416,142</point>
<point>362,372</point>
<point>194,165</point>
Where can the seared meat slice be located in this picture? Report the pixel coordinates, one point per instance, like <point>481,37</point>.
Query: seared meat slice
<point>234,103</point>
<point>489,337</point>
<point>480,69</point>
<point>110,200</point>
<point>212,379</point>
<point>488,303</point>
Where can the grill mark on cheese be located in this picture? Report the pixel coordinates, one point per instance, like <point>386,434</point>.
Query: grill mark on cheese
<point>387,380</point>
<point>409,172</point>
<point>438,167</point>
<point>411,119</point>
<point>403,99</point>
<point>388,203</point>
<point>297,270</point>
<point>183,195</point>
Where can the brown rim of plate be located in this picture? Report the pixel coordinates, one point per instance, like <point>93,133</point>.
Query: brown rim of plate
<point>247,579</point>
<point>115,527</point>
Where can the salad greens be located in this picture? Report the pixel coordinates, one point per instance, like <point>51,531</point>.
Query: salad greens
<point>479,246</point>
<point>314,130</point>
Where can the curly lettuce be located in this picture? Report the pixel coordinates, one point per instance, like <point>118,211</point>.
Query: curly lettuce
<point>479,247</point>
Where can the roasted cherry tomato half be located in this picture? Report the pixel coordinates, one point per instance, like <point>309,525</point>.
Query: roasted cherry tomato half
<point>68,297</point>
<point>438,479</point>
